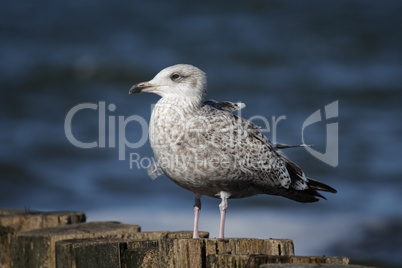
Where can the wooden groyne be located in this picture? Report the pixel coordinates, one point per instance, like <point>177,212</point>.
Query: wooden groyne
<point>64,239</point>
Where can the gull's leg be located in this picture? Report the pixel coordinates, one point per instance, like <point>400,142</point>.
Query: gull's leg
<point>223,207</point>
<point>197,210</point>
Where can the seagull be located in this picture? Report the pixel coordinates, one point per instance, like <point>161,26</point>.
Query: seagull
<point>204,148</point>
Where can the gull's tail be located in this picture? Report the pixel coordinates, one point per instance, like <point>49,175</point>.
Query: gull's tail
<point>298,191</point>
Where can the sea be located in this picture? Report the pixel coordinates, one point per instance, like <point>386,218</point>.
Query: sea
<point>322,73</point>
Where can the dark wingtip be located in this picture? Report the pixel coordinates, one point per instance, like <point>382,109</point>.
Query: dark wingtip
<point>319,195</point>
<point>319,186</point>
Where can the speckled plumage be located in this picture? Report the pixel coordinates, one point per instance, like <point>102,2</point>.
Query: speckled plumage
<point>204,148</point>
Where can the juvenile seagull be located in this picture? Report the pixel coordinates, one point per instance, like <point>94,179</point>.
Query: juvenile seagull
<point>204,148</point>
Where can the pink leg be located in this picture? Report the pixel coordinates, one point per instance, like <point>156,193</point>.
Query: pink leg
<point>223,207</point>
<point>197,210</point>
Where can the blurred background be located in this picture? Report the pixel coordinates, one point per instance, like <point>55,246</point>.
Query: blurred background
<point>281,58</point>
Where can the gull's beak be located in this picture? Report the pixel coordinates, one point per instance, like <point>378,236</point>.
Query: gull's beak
<point>142,87</point>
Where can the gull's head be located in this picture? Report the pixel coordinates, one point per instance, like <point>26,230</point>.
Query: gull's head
<point>178,81</point>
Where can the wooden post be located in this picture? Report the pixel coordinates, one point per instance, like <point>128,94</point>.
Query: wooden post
<point>36,248</point>
<point>16,221</point>
<point>57,240</point>
<point>131,251</point>
<point>279,247</point>
<point>164,249</point>
<point>258,260</point>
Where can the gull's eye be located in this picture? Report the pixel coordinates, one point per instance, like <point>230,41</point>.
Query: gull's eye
<point>175,77</point>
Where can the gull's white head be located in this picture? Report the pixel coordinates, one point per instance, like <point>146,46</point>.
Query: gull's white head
<point>177,81</point>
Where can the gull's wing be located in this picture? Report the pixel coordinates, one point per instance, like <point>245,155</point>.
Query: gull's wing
<point>273,172</point>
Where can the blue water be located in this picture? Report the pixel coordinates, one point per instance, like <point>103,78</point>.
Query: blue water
<point>282,58</point>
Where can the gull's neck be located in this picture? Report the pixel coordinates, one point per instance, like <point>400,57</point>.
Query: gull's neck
<point>182,102</point>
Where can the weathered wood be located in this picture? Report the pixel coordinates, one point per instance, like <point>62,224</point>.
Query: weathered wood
<point>163,249</point>
<point>36,248</point>
<point>16,221</point>
<point>194,252</point>
<point>257,260</point>
<point>279,247</point>
<point>144,257</point>
<point>182,252</point>
<point>306,259</point>
<point>55,239</point>
<point>133,249</point>
<point>174,251</point>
